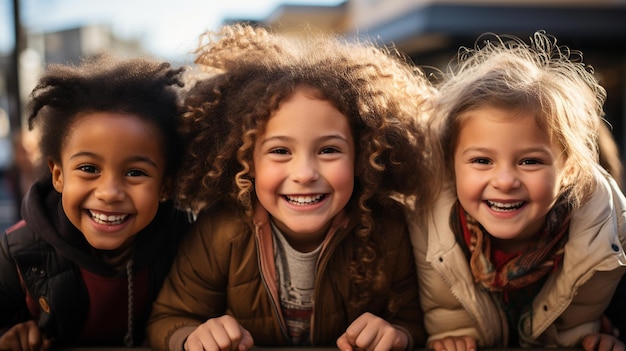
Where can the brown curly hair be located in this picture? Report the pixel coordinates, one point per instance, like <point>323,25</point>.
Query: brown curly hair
<point>250,71</point>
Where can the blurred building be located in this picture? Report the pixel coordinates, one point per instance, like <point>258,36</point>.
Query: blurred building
<point>431,31</point>
<point>428,31</point>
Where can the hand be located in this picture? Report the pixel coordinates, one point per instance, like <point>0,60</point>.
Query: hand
<point>454,343</point>
<point>606,327</point>
<point>602,342</point>
<point>222,333</point>
<point>24,337</point>
<point>369,332</point>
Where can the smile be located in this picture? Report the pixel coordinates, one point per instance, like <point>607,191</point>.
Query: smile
<point>304,200</point>
<point>505,206</point>
<point>101,218</point>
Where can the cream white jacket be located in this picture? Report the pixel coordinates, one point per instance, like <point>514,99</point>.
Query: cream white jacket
<point>568,306</point>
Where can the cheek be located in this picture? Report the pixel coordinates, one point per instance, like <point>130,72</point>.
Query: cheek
<point>346,184</point>
<point>461,188</point>
<point>266,178</point>
<point>342,178</point>
<point>564,177</point>
<point>468,189</point>
<point>458,172</point>
<point>546,189</point>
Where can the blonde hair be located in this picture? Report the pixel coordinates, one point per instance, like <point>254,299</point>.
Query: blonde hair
<point>540,77</point>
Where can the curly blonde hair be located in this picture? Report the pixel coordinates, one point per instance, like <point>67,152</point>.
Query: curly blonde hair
<point>540,77</point>
<point>250,71</point>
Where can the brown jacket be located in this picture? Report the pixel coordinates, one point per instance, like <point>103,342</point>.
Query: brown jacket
<point>226,266</point>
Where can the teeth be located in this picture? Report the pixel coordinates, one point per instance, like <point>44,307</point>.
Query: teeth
<point>110,220</point>
<point>304,200</point>
<point>505,206</point>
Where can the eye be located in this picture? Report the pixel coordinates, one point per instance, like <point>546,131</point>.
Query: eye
<point>87,168</point>
<point>279,151</point>
<point>329,150</point>
<point>136,173</point>
<point>531,161</point>
<point>480,160</point>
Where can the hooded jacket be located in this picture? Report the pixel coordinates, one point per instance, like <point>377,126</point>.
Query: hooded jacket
<point>51,274</point>
<point>226,266</point>
<point>568,306</point>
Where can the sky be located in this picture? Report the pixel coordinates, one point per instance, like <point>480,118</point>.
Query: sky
<point>167,28</point>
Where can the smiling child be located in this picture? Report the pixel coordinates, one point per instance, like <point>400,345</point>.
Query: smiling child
<point>98,232</point>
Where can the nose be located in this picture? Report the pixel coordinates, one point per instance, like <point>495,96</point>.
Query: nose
<point>110,189</point>
<point>304,169</point>
<point>505,178</point>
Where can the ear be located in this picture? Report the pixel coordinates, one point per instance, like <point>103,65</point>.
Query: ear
<point>165,189</point>
<point>57,175</point>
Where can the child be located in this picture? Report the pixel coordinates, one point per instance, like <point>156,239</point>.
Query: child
<point>98,233</point>
<point>298,148</point>
<point>526,250</point>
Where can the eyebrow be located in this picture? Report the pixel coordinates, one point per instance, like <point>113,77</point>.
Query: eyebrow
<point>542,150</point>
<point>135,158</point>
<point>323,138</point>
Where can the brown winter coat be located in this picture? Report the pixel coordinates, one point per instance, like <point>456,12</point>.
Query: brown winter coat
<point>218,271</point>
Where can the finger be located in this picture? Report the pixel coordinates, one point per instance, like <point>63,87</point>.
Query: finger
<point>23,338</point>
<point>470,343</point>
<point>452,344</point>
<point>355,329</point>
<point>606,327</point>
<point>214,337</point>
<point>224,341</point>
<point>459,344</point>
<point>401,340</point>
<point>605,343</point>
<point>34,337</point>
<point>246,340</point>
<point>438,345</point>
<point>11,343</point>
<point>366,340</point>
<point>590,342</point>
<point>449,344</point>
<point>233,333</point>
<point>383,337</point>
<point>193,344</point>
<point>386,341</point>
<point>343,344</point>
<point>46,344</point>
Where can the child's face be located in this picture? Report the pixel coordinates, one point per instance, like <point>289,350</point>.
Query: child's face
<point>111,177</point>
<point>506,172</point>
<point>304,168</point>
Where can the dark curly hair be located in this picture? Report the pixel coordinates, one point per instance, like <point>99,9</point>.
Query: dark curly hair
<point>250,71</point>
<point>139,86</point>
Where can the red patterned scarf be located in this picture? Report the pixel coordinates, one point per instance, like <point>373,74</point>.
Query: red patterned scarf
<point>521,269</point>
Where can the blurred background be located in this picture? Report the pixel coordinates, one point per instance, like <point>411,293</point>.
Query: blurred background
<point>34,33</point>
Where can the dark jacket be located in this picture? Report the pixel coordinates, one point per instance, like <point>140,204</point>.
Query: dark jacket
<point>44,259</point>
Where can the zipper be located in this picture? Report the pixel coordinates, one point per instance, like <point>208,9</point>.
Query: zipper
<point>558,311</point>
<point>503,322</point>
<point>273,298</point>
<point>322,262</point>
